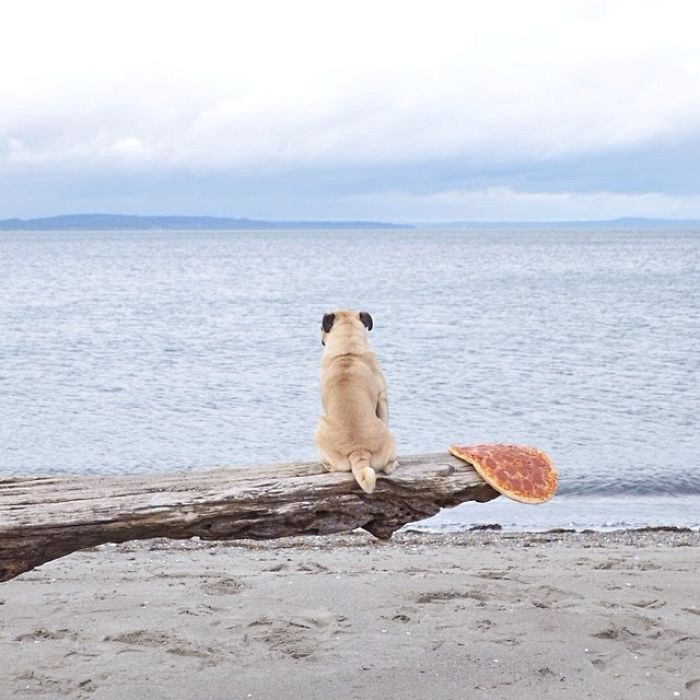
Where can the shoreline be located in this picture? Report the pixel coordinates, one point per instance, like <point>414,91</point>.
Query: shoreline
<point>603,513</point>
<point>473,614</point>
<point>415,528</point>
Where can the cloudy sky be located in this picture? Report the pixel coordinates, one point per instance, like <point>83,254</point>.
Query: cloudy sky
<point>405,111</point>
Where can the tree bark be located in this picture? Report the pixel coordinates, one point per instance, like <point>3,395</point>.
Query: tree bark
<point>44,518</point>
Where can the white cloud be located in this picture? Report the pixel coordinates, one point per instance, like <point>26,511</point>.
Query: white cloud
<point>220,85</point>
<point>366,110</point>
<point>128,144</point>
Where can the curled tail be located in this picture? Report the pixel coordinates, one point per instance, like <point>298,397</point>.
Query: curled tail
<point>363,473</point>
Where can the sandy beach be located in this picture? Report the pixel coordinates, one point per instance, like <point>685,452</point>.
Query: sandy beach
<point>478,614</point>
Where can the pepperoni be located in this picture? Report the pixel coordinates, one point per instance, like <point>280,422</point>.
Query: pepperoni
<point>515,470</point>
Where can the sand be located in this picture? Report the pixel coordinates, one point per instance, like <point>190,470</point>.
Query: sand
<point>475,615</point>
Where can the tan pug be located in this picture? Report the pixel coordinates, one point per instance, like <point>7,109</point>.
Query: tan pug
<point>353,435</point>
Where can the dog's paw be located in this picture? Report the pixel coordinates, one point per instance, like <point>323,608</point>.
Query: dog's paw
<point>390,467</point>
<point>327,466</point>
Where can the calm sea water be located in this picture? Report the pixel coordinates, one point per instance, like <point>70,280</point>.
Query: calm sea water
<point>125,352</point>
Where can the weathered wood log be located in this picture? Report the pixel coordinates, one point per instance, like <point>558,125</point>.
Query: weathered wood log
<point>44,518</point>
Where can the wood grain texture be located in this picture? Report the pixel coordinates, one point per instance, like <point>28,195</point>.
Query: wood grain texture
<point>44,518</point>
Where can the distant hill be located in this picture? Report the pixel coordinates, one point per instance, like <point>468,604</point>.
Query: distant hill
<point>626,223</point>
<point>121,222</point>
<point>118,222</point>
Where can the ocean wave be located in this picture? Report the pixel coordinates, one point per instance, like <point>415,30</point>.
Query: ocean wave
<point>646,485</point>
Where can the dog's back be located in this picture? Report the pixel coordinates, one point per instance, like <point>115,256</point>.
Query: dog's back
<point>353,435</point>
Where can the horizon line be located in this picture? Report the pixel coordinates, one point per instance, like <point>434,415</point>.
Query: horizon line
<point>112,220</point>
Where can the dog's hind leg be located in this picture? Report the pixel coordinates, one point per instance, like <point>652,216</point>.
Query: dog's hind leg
<point>386,459</point>
<point>341,464</point>
<point>331,460</point>
<point>390,466</point>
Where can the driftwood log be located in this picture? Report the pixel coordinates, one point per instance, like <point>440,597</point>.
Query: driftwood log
<point>44,518</point>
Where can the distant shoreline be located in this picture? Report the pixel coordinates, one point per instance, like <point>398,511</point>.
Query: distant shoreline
<point>118,222</point>
<point>122,222</point>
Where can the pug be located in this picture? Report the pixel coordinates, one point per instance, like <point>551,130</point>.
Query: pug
<point>353,435</point>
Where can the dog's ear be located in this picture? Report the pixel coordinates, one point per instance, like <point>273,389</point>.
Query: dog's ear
<point>366,320</point>
<point>327,323</point>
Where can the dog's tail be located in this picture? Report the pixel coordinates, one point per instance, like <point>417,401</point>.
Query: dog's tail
<point>363,473</point>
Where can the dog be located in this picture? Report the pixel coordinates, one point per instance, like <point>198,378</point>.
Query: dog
<point>353,435</point>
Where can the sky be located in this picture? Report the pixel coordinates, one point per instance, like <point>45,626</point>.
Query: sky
<point>397,111</point>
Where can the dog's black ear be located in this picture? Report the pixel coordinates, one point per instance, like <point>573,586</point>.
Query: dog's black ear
<point>327,323</point>
<point>366,320</point>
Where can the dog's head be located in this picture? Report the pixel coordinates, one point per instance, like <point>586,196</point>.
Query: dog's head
<point>336,319</point>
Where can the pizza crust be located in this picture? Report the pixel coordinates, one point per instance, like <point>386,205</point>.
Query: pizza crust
<point>524,474</point>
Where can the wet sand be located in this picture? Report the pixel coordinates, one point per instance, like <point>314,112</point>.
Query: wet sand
<point>479,614</point>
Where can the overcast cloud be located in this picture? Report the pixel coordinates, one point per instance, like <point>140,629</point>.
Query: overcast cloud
<point>396,110</point>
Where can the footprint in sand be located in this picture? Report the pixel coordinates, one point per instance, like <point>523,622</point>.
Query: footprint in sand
<point>303,566</point>
<point>600,661</point>
<point>651,604</point>
<point>302,635</point>
<point>199,610</point>
<point>189,650</point>
<point>154,638</point>
<point>550,597</point>
<point>615,633</point>
<point>311,566</point>
<point>630,633</point>
<point>34,684</point>
<point>172,644</point>
<point>444,596</point>
<point>44,634</point>
<point>402,615</point>
<point>223,585</point>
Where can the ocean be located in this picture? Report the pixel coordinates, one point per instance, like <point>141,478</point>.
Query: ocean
<point>125,352</point>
